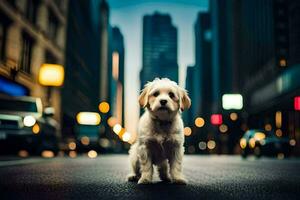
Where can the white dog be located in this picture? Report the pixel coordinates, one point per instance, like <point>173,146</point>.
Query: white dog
<point>160,133</point>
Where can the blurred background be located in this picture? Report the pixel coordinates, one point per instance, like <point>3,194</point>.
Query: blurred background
<point>71,72</point>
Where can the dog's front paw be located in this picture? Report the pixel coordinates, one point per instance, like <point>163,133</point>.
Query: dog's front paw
<point>132,178</point>
<point>180,181</point>
<point>144,181</point>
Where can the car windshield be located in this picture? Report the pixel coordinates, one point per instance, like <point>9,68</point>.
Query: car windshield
<point>17,105</point>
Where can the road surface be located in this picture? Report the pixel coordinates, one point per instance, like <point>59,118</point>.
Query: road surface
<point>210,177</point>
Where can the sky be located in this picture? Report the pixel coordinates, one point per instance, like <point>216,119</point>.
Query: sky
<point>128,16</point>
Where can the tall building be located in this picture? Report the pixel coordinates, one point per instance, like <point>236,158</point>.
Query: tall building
<point>159,48</point>
<point>81,87</point>
<point>224,48</point>
<point>117,75</point>
<point>272,63</point>
<point>203,62</point>
<point>31,33</point>
<point>192,88</point>
<point>104,34</point>
<point>255,52</point>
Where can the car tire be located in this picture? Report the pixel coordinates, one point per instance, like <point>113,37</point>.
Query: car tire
<point>257,152</point>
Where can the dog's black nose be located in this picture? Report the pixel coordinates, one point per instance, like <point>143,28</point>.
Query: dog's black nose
<point>163,102</point>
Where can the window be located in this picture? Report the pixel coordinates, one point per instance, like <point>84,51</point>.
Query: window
<point>26,52</point>
<point>4,23</point>
<point>53,25</point>
<point>2,41</point>
<point>50,58</point>
<point>31,10</point>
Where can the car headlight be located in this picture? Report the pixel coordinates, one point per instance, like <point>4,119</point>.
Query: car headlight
<point>243,143</point>
<point>29,121</point>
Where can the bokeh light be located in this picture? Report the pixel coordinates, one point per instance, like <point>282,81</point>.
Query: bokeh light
<point>202,145</point>
<point>92,154</point>
<point>72,145</point>
<point>117,129</point>
<point>211,144</point>
<point>223,128</point>
<point>187,131</point>
<point>36,129</point>
<point>233,116</point>
<point>199,122</point>
<point>85,140</point>
<point>47,154</point>
<point>104,107</point>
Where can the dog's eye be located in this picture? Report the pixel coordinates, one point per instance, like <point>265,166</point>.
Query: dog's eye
<point>171,95</point>
<point>156,94</point>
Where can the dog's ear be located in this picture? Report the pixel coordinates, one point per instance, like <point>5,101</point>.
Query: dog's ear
<point>143,98</point>
<point>185,101</point>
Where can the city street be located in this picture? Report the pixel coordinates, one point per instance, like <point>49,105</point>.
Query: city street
<point>210,177</point>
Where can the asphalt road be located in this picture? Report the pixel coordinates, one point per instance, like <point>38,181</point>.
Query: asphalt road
<point>210,177</point>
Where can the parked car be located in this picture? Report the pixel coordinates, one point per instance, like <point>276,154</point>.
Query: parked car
<point>25,126</point>
<point>261,142</point>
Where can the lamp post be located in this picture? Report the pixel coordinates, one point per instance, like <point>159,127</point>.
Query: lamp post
<point>51,75</point>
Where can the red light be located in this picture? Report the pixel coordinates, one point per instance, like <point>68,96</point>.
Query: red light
<point>216,119</point>
<point>297,103</point>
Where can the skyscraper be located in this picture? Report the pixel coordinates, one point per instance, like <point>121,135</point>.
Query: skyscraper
<point>104,50</point>
<point>81,87</point>
<point>159,48</point>
<point>203,62</point>
<point>117,87</point>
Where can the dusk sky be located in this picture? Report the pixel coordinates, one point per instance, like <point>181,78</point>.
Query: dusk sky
<point>128,16</point>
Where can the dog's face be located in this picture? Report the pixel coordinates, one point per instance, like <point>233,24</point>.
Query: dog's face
<point>164,98</point>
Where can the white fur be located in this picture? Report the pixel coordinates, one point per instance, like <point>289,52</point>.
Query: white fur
<point>160,133</point>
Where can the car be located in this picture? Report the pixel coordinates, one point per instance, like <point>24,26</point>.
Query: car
<point>24,125</point>
<point>260,142</point>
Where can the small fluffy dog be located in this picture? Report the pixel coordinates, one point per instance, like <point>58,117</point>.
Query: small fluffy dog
<point>160,133</point>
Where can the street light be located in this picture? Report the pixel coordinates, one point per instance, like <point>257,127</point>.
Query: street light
<point>51,75</point>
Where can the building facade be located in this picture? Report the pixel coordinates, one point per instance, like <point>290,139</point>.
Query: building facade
<point>117,76</point>
<point>159,48</point>
<point>81,88</point>
<point>31,33</point>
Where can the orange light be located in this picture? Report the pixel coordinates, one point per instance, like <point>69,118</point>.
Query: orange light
<point>47,154</point>
<point>233,116</point>
<point>72,154</point>
<point>278,132</point>
<point>268,127</point>
<point>36,129</point>
<point>23,153</point>
<point>278,119</point>
<point>199,122</point>
<point>223,128</point>
<point>187,131</point>
<point>104,107</point>
<point>115,63</point>
<point>72,145</point>
<point>282,63</point>
<point>85,140</point>
<point>112,121</point>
